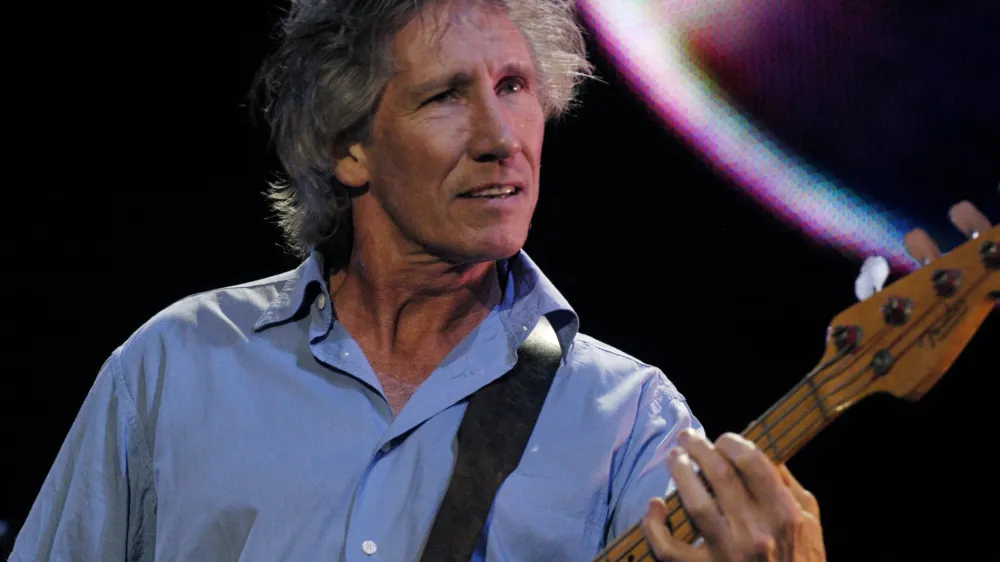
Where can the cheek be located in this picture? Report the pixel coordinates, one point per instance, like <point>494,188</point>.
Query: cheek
<point>411,175</point>
<point>533,129</point>
<point>395,170</point>
<point>425,155</point>
<point>391,162</point>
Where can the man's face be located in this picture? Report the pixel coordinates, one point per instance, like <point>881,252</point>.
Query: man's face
<point>454,158</point>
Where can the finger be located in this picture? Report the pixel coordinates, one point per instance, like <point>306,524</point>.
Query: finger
<point>758,472</point>
<point>762,479</point>
<point>920,246</point>
<point>698,503</point>
<point>967,218</point>
<point>665,547</point>
<point>721,475</point>
<point>805,498</point>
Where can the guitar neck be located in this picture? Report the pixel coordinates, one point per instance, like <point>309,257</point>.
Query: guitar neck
<point>900,342</point>
<point>784,429</point>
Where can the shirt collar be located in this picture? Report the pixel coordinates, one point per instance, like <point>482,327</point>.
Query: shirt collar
<point>301,287</point>
<point>527,295</point>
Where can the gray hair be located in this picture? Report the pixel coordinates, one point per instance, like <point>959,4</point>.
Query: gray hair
<point>324,82</point>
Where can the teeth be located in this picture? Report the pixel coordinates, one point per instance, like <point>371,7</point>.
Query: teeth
<point>493,191</point>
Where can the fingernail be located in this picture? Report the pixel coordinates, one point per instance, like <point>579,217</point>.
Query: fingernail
<point>685,436</point>
<point>675,454</point>
<point>672,456</point>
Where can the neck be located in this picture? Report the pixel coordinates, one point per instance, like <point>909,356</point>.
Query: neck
<point>406,305</point>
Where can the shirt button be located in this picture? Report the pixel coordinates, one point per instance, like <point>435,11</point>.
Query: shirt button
<point>368,547</point>
<point>321,302</point>
<point>346,354</point>
<point>386,448</point>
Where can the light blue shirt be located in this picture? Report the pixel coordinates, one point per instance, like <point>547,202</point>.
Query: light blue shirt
<point>245,423</point>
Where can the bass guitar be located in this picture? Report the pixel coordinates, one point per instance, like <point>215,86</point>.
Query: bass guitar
<point>900,341</point>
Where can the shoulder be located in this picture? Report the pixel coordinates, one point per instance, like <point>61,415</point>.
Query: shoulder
<point>185,342</point>
<point>217,315</point>
<point>612,369</point>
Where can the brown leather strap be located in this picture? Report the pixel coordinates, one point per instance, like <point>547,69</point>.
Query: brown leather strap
<point>491,440</point>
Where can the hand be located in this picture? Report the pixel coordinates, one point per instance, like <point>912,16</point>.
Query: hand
<point>760,512</point>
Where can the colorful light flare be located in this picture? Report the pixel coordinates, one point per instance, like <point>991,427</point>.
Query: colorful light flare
<point>652,41</point>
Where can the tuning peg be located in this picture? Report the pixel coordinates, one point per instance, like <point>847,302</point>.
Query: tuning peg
<point>874,273</point>
<point>920,246</point>
<point>967,218</point>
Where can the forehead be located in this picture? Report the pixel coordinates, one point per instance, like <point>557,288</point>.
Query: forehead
<point>451,37</point>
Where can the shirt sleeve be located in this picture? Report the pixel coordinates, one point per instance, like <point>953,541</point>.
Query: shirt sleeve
<point>97,501</point>
<point>643,473</point>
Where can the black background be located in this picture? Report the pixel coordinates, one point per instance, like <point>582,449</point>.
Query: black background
<point>152,188</point>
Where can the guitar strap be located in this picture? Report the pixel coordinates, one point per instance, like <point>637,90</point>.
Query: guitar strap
<point>491,440</point>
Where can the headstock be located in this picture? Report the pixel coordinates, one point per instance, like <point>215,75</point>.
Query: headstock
<point>904,338</point>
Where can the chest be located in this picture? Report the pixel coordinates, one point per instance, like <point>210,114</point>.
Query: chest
<point>400,379</point>
<point>290,461</point>
<point>292,476</point>
<point>397,390</point>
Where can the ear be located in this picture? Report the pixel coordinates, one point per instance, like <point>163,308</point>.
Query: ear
<point>351,166</point>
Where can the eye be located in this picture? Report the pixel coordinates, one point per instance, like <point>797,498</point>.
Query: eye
<point>512,85</point>
<point>444,96</point>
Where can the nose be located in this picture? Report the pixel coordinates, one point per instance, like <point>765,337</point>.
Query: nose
<point>495,137</point>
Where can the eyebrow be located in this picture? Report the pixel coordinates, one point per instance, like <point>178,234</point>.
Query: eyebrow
<point>460,80</point>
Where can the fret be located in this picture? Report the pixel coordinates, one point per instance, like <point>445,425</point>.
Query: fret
<point>758,434</point>
<point>800,420</point>
<point>765,430</point>
<point>814,390</point>
<point>776,430</point>
<point>797,435</point>
<point>675,513</point>
<point>630,547</point>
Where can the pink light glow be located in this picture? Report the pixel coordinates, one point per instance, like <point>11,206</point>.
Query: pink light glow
<point>657,61</point>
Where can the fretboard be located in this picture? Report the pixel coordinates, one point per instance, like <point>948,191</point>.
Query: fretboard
<point>788,425</point>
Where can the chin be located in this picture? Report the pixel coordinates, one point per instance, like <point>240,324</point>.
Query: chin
<point>494,246</point>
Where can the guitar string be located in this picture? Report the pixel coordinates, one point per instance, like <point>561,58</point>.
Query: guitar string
<point>793,406</point>
<point>797,439</point>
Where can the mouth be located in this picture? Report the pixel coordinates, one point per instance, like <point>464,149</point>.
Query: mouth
<point>493,191</point>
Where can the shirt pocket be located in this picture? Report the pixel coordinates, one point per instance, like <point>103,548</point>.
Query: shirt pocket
<point>544,518</point>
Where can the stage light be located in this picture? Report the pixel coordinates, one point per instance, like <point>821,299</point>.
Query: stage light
<point>654,43</point>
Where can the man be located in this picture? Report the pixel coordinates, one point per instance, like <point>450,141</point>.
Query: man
<point>312,415</point>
